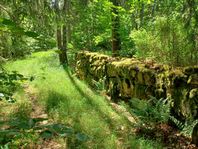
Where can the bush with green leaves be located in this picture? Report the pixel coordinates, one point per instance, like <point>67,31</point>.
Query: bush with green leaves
<point>13,41</point>
<point>9,82</point>
<point>166,41</point>
<point>151,111</point>
<point>22,128</point>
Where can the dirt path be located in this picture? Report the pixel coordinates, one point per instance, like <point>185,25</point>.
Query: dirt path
<point>39,112</point>
<point>169,134</point>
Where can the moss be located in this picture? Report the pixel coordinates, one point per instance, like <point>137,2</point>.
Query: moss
<point>148,78</point>
<point>126,90</point>
<point>193,93</point>
<point>133,73</point>
<point>159,80</point>
<point>132,77</point>
<point>193,79</point>
<point>111,71</point>
<point>181,102</point>
<point>139,91</point>
<point>159,93</point>
<point>166,68</point>
<point>140,78</point>
<point>191,70</point>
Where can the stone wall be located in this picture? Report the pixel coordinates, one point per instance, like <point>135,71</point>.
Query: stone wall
<point>126,78</point>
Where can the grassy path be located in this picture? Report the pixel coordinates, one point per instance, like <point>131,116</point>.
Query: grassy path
<point>56,94</point>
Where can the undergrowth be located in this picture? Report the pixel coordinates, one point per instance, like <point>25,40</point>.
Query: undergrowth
<point>151,111</point>
<point>70,102</point>
<point>155,122</point>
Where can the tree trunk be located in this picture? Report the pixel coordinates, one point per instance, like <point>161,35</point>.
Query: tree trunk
<point>195,135</point>
<point>61,34</point>
<point>69,22</point>
<point>59,41</point>
<point>116,43</point>
<point>153,8</point>
<point>63,52</point>
<point>142,15</point>
<point>64,46</point>
<point>58,37</point>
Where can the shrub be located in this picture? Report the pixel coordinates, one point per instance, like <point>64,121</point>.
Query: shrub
<point>152,111</point>
<point>166,41</point>
<point>9,82</point>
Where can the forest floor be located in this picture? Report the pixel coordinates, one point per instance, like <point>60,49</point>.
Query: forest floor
<point>65,113</point>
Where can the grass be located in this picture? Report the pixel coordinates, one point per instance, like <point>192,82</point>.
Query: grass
<point>12,113</point>
<point>70,101</point>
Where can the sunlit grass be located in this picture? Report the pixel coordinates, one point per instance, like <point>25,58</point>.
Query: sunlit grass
<point>69,100</point>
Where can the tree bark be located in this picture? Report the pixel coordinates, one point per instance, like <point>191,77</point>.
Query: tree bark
<point>142,15</point>
<point>153,8</point>
<point>116,42</point>
<point>61,35</point>
<point>69,22</point>
<point>63,52</point>
<point>195,135</point>
<point>64,46</point>
<point>58,37</point>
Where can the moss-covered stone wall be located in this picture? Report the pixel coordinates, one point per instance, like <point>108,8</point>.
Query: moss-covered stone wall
<point>126,78</point>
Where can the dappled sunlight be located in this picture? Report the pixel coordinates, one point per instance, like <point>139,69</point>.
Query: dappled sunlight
<point>68,100</point>
<point>64,99</point>
<point>71,71</point>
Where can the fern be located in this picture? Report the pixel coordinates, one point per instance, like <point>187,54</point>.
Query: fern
<point>151,111</point>
<point>180,125</point>
<point>154,111</point>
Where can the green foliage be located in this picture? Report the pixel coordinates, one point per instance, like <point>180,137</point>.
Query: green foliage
<point>144,143</point>
<point>70,102</point>
<point>179,125</point>
<point>20,128</point>
<point>169,34</point>
<point>14,44</point>
<point>188,127</point>
<point>165,43</point>
<point>152,111</point>
<point>7,24</point>
<point>144,43</point>
<point>9,82</point>
<point>165,31</point>
<point>19,21</point>
<point>128,53</point>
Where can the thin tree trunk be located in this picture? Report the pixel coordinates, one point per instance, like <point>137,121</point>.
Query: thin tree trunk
<point>64,47</point>
<point>116,43</point>
<point>142,15</point>
<point>69,22</point>
<point>153,8</point>
<point>64,59</point>
<point>58,37</point>
<point>59,41</point>
<point>195,135</point>
<point>61,35</point>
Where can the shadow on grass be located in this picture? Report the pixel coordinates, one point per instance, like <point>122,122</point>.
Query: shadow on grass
<point>54,100</point>
<point>22,128</point>
<point>89,99</point>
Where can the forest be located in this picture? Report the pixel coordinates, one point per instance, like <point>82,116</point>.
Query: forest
<point>99,74</point>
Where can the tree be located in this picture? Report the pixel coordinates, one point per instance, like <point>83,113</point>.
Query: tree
<point>195,135</point>
<point>116,42</point>
<point>61,32</point>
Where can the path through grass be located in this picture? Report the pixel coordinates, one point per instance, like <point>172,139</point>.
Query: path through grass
<point>70,101</point>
